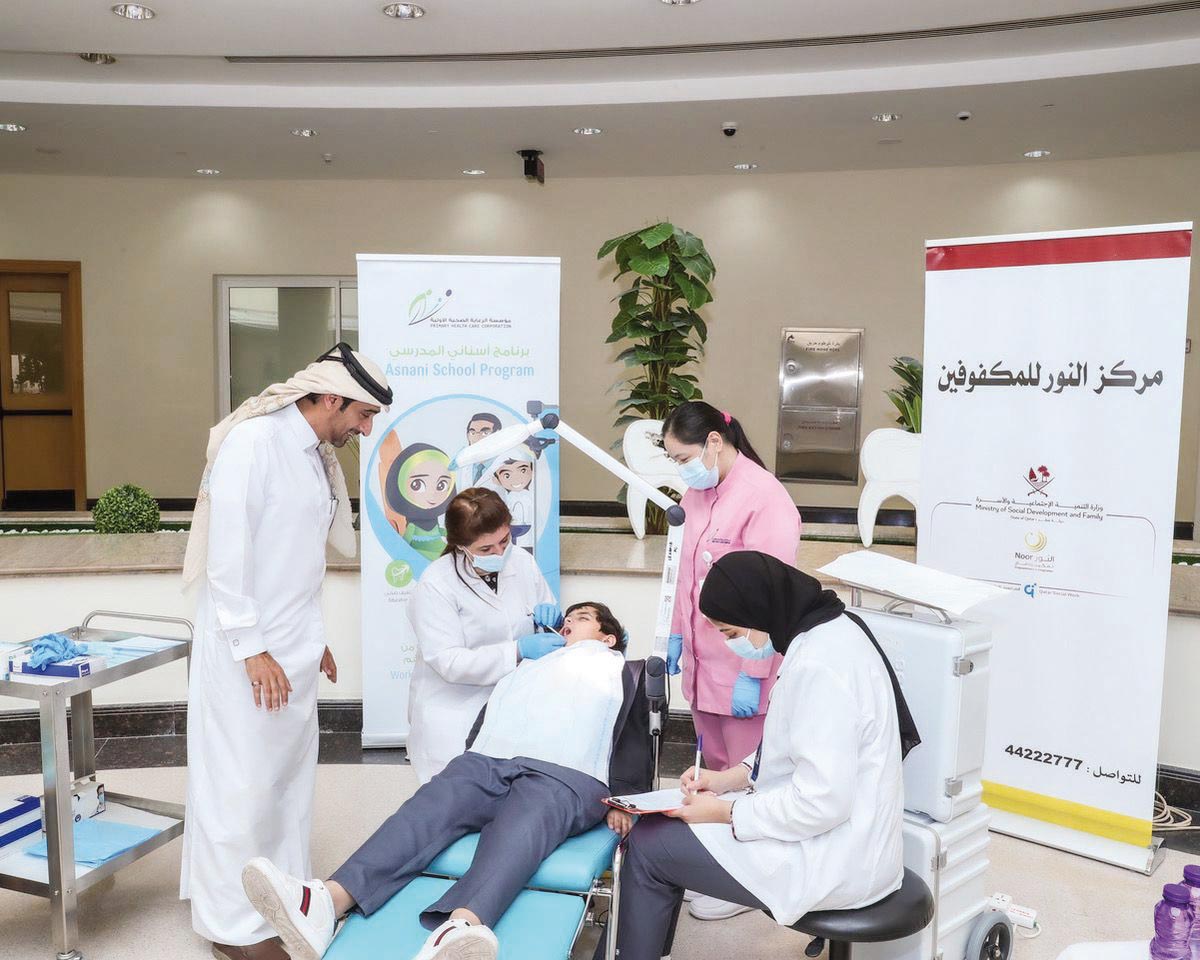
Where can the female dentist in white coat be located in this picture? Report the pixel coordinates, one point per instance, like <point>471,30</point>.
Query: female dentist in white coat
<point>812,821</point>
<point>474,611</point>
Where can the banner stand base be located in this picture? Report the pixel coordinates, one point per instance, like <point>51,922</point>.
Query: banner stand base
<point>1143,860</point>
<point>383,741</point>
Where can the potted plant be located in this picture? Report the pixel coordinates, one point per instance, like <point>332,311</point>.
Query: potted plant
<point>907,398</point>
<point>668,271</point>
<point>126,509</point>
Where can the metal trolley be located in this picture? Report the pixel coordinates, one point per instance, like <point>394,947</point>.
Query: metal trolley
<point>69,765</point>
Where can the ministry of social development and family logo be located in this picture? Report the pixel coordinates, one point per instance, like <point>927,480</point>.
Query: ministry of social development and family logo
<point>1039,479</point>
<point>425,305</point>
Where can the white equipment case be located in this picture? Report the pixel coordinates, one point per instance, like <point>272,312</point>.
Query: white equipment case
<point>943,669</point>
<point>952,860</point>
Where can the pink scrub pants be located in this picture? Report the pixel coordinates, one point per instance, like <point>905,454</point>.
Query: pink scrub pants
<point>727,740</point>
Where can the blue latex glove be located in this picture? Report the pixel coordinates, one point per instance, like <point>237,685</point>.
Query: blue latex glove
<point>747,691</point>
<point>547,615</point>
<point>53,648</point>
<point>674,652</point>
<point>538,645</point>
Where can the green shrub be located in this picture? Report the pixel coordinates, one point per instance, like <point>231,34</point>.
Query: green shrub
<point>126,509</point>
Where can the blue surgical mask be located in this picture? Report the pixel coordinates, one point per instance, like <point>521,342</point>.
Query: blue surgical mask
<point>492,563</point>
<point>696,475</point>
<point>748,651</point>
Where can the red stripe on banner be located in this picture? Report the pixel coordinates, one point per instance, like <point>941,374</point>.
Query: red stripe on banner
<point>1028,253</point>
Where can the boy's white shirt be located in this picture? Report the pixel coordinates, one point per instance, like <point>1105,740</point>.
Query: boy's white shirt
<point>560,708</point>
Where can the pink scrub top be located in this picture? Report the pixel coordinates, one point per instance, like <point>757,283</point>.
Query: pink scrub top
<point>748,510</point>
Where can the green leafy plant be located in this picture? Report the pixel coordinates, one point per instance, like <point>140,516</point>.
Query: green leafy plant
<point>668,271</point>
<point>126,509</point>
<point>907,399</point>
<point>658,316</point>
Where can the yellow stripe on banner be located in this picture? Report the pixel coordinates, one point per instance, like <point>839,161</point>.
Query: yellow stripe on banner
<point>1066,813</point>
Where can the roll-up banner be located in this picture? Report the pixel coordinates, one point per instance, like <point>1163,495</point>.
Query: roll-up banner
<point>1050,444</point>
<point>470,345</point>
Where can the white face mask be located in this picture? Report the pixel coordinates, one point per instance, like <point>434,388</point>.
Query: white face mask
<point>747,650</point>
<point>492,563</point>
<point>696,475</point>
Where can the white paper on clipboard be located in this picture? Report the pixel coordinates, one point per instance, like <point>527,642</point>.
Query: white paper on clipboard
<point>657,801</point>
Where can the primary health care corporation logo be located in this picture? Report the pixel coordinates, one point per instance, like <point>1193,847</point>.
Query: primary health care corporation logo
<point>425,305</point>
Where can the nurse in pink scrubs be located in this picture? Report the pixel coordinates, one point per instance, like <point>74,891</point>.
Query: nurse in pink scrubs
<point>734,503</point>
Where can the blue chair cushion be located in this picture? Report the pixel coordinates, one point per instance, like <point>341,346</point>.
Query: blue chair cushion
<point>573,866</point>
<point>538,925</point>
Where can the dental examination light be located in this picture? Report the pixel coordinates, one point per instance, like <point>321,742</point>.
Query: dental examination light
<point>494,446</point>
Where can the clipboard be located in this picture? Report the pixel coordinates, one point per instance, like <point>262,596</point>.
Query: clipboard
<point>658,801</point>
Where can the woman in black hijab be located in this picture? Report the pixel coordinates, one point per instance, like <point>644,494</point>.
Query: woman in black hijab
<point>755,590</point>
<point>812,821</point>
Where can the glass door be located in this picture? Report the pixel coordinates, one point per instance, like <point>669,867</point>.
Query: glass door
<point>270,327</point>
<point>39,445</point>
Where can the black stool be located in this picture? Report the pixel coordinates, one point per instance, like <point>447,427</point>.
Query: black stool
<point>898,915</point>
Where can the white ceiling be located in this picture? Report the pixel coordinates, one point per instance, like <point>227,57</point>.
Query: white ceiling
<point>173,103</point>
<point>1111,115</point>
<point>298,27</point>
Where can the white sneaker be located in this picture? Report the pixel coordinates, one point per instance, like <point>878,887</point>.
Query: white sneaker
<point>710,908</point>
<point>690,895</point>
<point>301,913</point>
<point>460,940</point>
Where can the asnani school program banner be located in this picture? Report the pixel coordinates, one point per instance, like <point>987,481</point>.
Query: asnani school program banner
<point>1052,398</point>
<point>470,345</point>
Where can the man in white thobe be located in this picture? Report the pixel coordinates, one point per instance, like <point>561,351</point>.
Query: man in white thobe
<point>271,497</point>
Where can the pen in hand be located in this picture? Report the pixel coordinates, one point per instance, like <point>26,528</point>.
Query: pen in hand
<point>696,768</point>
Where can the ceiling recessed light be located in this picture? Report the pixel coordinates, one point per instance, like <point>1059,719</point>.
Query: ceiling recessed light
<point>304,132</point>
<point>12,128</point>
<point>474,173</point>
<point>1036,154</point>
<point>745,166</point>
<point>208,172</point>
<point>103,59</point>
<point>588,131</point>
<point>885,117</point>
<point>133,11</point>
<point>404,11</point>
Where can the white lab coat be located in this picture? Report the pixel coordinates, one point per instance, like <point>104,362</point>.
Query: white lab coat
<point>251,773</point>
<point>466,642</point>
<point>823,829</point>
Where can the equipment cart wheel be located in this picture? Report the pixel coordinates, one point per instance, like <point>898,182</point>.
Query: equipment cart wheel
<point>991,938</point>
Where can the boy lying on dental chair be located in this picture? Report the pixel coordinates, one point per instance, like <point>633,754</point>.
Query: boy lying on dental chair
<point>557,736</point>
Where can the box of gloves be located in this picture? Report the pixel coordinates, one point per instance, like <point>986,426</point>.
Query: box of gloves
<point>19,818</point>
<point>20,667</point>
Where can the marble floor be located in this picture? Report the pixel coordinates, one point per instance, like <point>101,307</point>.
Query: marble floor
<point>139,917</point>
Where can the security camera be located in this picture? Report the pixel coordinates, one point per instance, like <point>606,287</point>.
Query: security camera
<point>532,165</point>
<point>729,128</point>
<point>964,114</point>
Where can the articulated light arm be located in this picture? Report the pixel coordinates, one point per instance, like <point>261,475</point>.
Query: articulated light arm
<point>490,448</point>
<point>503,440</point>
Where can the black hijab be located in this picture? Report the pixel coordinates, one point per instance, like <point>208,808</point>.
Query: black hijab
<point>751,589</point>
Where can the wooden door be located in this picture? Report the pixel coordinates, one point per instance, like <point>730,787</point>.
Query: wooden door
<point>41,387</point>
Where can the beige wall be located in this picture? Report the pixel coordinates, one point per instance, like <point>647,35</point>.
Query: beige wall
<point>829,249</point>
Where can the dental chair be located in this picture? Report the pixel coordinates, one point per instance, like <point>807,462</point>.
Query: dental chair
<point>543,923</point>
<point>547,917</point>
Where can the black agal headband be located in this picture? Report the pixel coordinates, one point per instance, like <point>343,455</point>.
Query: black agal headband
<point>341,353</point>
